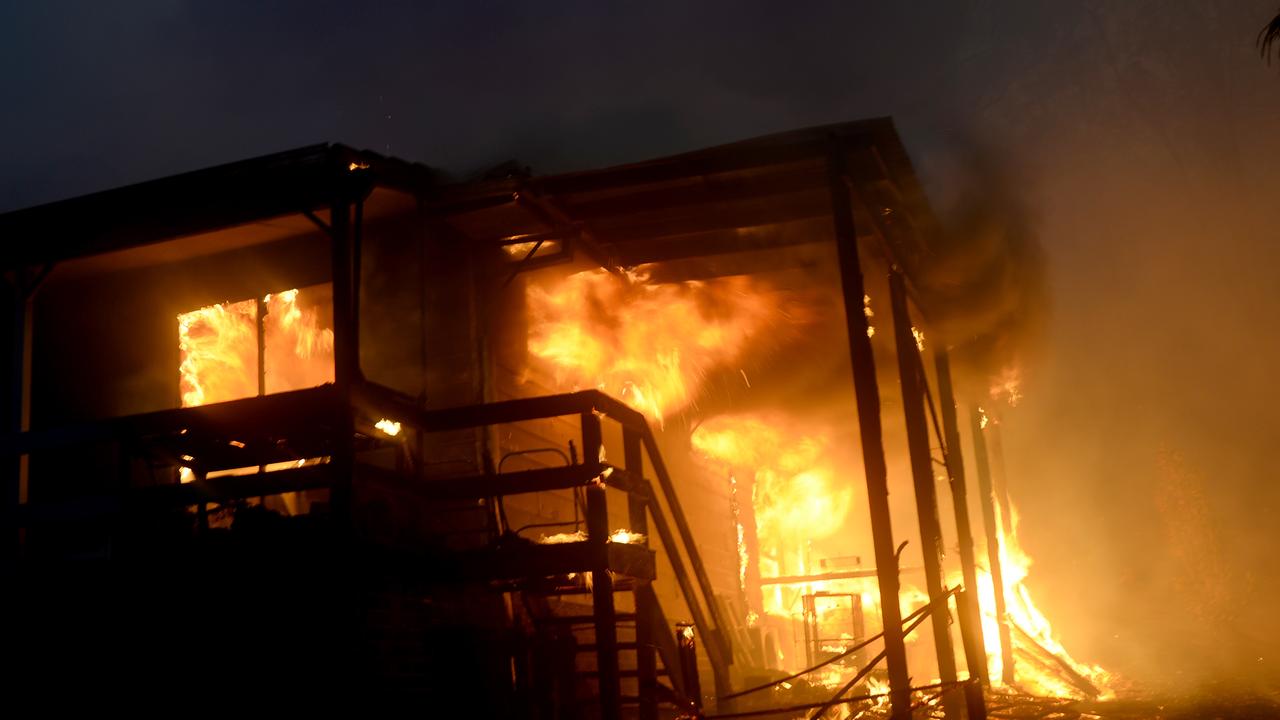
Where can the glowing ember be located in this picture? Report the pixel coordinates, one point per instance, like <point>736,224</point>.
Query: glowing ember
<point>651,344</point>
<point>390,427</point>
<point>561,538</point>
<point>618,536</point>
<point>519,250</point>
<point>918,334</point>
<point>627,537</point>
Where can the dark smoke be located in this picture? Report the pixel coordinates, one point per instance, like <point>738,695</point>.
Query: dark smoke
<point>984,286</point>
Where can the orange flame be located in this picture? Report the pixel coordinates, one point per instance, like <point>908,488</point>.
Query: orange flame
<point>299,349</point>
<point>1007,386</point>
<point>796,500</point>
<point>795,496</point>
<point>219,349</point>
<point>652,344</point>
<point>1037,677</point>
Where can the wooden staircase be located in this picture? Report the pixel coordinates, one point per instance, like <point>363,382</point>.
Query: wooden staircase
<point>618,651</point>
<point>592,597</point>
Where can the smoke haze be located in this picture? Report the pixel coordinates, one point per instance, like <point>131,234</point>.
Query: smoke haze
<point>1136,143</point>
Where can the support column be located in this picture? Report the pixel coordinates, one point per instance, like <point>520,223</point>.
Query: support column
<point>646,610</point>
<point>999,479</point>
<point>16,486</point>
<point>967,602</point>
<point>24,282</point>
<point>991,521</point>
<point>602,607</point>
<point>344,364</point>
<point>911,377</point>
<point>867,395</point>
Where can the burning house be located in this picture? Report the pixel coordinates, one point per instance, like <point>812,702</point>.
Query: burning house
<point>632,441</point>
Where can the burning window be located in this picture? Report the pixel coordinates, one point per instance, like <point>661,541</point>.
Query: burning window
<point>239,349</point>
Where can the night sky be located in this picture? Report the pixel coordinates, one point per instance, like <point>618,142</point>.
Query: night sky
<point>1142,139</point>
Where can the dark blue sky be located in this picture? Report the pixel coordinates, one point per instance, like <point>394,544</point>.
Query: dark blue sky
<point>1142,137</point>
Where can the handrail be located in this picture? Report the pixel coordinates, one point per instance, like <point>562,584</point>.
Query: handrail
<point>304,407</point>
<point>715,650</point>
<point>248,415</point>
<point>382,400</point>
<point>717,640</point>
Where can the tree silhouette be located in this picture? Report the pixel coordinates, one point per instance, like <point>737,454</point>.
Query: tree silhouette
<point>1267,37</point>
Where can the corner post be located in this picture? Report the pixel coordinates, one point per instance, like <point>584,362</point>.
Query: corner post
<point>637,511</point>
<point>345,356</point>
<point>911,378</point>
<point>967,601</point>
<point>867,395</point>
<point>992,522</point>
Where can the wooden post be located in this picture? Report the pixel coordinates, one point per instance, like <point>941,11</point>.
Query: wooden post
<point>999,480</point>
<point>867,395</point>
<point>637,511</point>
<point>602,609</point>
<point>975,703</point>
<point>911,377</point>
<point>344,365</point>
<point>967,601</point>
<point>991,521</point>
<point>604,614</point>
<point>687,643</point>
<point>24,283</point>
<point>719,651</point>
<point>16,485</point>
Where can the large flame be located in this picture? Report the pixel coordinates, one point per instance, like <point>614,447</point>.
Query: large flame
<point>299,349</point>
<point>219,349</point>
<point>652,344</point>
<point>796,497</point>
<point>1033,671</point>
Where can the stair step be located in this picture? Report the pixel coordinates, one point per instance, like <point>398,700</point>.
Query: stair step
<point>543,589</point>
<point>520,561</point>
<point>661,672</point>
<point>584,619</point>
<point>591,647</point>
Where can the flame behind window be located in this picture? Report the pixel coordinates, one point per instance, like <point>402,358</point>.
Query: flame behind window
<point>219,346</point>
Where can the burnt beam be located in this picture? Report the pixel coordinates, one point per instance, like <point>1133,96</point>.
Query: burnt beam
<point>867,396</point>
<point>646,631</point>
<point>604,616</point>
<point>911,377</point>
<point>967,601</point>
<point>991,520</point>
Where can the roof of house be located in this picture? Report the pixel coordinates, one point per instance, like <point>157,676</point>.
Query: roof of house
<point>697,203</point>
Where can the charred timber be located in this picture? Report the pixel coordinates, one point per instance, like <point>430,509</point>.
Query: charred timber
<point>971,614</point>
<point>867,396</point>
<point>991,521</point>
<point>911,377</point>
